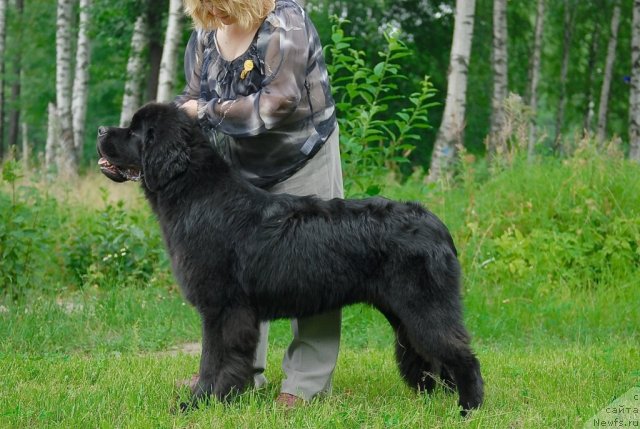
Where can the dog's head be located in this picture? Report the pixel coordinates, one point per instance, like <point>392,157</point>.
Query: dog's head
<point>153,148</point>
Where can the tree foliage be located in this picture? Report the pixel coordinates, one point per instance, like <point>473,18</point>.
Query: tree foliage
<point>424,28</point>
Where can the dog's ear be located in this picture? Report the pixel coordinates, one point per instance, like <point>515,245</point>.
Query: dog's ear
<point>163,158</point>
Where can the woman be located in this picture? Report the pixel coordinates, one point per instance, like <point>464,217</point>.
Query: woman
<point>258,84</point>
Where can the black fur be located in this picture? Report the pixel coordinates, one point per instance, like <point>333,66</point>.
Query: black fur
<point>243,255</point>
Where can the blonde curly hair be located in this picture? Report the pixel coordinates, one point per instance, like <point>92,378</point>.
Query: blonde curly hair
<point>246,12</point>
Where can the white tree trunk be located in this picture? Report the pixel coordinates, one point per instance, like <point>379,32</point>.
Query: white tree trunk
<point>608,73</point>
<point>496,140</point>
<point>53,133</point>
<point>170,52</point>
<point>81,79</point>
<point>16,87</point>
<point>135,68</point>
<point>68,165</point>
<point>591,71</point>
<point>26,153</point>
<point>535,76</point>
<point>453,120</point>
<point>634,94</point>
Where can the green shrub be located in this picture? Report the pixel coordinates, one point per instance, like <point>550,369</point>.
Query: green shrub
<point>48,245</point>
<point>114,246</point>
<point>571,223</point>
<point>373,140</point>
<point>26,247</point>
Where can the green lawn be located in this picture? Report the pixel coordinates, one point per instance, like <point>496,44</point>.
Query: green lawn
<point>100,359</point>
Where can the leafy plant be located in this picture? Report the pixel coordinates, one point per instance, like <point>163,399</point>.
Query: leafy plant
<point>25,245</point>
<point>115,246</point>
<point>48,245</point>
<point>374,141</point>
<point>570,224</point>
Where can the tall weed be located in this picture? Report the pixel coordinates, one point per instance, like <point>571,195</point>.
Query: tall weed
<point>48,243</point>
<point>26,246</point>
<point>373,140</point>
<point>559,223</point>
<point>114,246</point>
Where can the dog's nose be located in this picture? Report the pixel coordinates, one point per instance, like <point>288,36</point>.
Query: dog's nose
<point>102,131</point>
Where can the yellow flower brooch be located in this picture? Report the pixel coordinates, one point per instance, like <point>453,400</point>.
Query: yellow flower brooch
<point>248,66</point>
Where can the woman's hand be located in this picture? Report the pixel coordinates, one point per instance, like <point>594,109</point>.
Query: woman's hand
<point>191,107</point>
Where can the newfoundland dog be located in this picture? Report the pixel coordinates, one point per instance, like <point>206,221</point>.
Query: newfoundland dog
<point>242,255</point>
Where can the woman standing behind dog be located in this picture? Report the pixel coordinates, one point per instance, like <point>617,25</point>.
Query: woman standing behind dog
<point>258,84</point>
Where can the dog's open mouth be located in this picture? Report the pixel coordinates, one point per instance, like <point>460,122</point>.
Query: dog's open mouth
<point>118,174</point>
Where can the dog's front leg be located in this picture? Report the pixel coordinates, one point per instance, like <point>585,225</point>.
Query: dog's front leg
<point>209,360</point>
<point>228,350</point>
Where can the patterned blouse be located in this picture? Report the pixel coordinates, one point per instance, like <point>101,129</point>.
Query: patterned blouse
<point>269,110</point>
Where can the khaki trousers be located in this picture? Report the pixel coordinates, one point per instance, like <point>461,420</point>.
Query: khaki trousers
<point>309,361</point>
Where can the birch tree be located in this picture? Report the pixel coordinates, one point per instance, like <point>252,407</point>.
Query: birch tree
<point>634,93</point>
<point>53,134</point>
<point>81,78</point>
<point>3,26</point>
<point>170,52</point>
<point>608,73</point>
<point>534,76</point>
<point>135,66</point>
<point>591,71</point>
<point>67,161</point>
<point>25,147</point>
<point>16,87</point>
<point>451,130</point>
<point>500,77</point>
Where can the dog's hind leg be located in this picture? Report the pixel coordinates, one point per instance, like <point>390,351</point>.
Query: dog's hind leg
<point>422,374</point>
<point>441,336</point>
<point>228,347</point>
<point>419,373</point>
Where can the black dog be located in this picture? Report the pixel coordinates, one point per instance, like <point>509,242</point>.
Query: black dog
<point>243,255</point>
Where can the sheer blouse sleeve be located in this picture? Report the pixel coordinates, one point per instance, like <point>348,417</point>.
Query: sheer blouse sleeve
<point>192,70</point>
<point>285,62</point>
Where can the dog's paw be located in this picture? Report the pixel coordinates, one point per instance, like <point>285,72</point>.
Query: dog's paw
<point>180,406</point>
<point>191,404</point>
<point>470,403</point>
<point>185,407</point>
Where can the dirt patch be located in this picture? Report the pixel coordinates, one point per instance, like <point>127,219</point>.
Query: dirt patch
<point>191,349</point>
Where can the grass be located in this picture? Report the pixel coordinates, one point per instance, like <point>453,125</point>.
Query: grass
<point>98,358</point>
<point>136,390</point>
<point>552,309</point>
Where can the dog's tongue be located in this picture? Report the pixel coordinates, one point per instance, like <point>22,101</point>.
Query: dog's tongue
<point>106,165</point>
